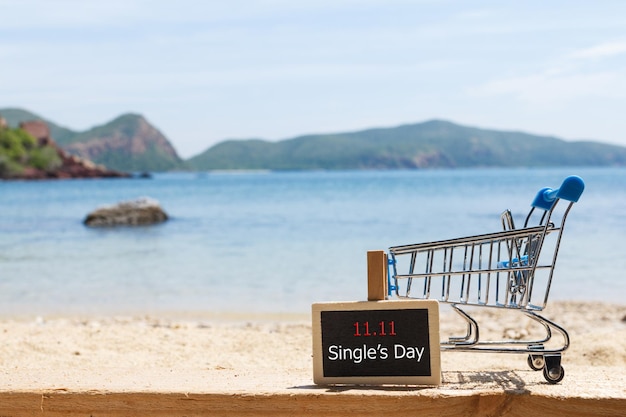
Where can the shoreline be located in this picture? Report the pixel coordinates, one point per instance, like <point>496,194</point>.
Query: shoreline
<point>232,317</point>
<point>558,306</point>
<point>236,313</point>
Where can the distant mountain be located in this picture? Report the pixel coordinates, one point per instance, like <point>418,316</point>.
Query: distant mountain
<point>432,144</point>
<point>127,143</point>
<point>131,143</point>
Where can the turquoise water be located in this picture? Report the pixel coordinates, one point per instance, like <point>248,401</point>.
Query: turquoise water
<point>277,242</point>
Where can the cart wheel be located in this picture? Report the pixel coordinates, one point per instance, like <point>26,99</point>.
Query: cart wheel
<point>554,375</point>
<point>536,362</point>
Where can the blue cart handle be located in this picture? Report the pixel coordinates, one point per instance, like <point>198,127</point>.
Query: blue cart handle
<point>571,190</point>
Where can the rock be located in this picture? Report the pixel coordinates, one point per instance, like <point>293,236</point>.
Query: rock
<point>140,212</point>
<point>76,167</point>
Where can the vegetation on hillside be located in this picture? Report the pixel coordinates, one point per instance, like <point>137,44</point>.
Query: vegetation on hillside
<point>433,144</point>
<point>130,143</point>
<point>126,143</point>
<point>153,159</point>
<point>124,125</point>
<point>20,151</point>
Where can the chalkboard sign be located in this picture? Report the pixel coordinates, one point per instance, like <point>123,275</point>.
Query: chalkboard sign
<point>376,342</point>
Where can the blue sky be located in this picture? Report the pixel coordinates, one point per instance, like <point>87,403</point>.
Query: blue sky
<point>205,71</point>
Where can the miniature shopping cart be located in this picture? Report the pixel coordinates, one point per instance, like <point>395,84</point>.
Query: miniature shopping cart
<point>509,269</point>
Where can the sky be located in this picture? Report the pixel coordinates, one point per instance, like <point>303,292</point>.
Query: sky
<point>206,71</point>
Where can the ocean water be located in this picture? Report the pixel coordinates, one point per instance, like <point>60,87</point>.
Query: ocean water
<point>277,242</point>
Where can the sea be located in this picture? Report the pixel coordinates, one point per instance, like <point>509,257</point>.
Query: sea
<point>276,242</point>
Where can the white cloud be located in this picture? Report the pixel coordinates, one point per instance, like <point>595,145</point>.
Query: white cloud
<point>572,76</point>
<point>548,88</point>
<point>111,13</point>
<point>65,13</point>
<point>603,50</point>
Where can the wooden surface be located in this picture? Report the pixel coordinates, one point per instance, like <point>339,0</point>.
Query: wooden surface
<point>376,275</point>
<point>584,392</point>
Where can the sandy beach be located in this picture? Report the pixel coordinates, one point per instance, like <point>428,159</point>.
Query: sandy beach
<point>230,354</point>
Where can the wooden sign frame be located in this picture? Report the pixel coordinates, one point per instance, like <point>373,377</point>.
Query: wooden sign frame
<point>376,342</point>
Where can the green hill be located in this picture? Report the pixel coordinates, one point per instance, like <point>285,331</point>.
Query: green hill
<point>127,143</point>
<point>432,144</point>
<point>131,143</point>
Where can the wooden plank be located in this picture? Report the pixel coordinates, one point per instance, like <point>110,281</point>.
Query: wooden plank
<point>376,275</point>
<point>308,402</point>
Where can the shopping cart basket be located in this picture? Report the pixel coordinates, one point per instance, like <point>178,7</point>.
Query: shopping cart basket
<point>509,269</point>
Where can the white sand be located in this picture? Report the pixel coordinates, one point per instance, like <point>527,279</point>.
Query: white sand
<point>182,354</point>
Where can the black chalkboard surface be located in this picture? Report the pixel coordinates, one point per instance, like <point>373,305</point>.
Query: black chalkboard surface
<point>376,342</point>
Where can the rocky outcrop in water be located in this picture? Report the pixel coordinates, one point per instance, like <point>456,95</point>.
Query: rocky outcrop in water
<point>71,167</point>
<point>140,212</point>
